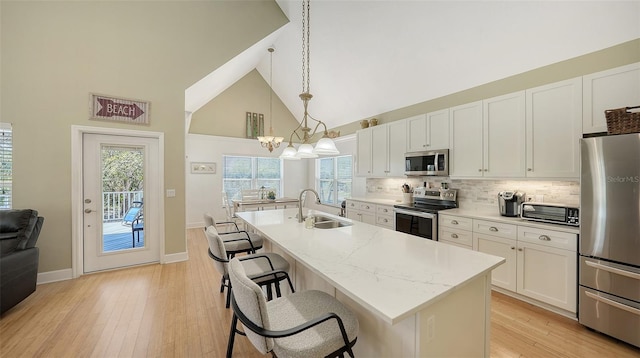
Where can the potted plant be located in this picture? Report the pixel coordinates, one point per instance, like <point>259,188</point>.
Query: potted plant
<point>271,195</point>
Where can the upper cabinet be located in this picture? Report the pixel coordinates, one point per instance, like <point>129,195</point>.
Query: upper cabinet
<point>488,138</point>
<point>381,150</point>
<point>504,136</point>
<point>428,131</point>
<point>465,155</point>
<point>615,88</point>
<point>554,122</point>
<point>363,152</point>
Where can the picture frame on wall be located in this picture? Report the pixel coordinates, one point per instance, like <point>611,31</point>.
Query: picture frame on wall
<point>203,168</point>
<point>255,125</point>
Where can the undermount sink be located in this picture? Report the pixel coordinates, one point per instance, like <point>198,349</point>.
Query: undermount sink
<point>325,222</point>
<point>330,224</point>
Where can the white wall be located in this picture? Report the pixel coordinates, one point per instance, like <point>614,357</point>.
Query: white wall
<point>204,190</point>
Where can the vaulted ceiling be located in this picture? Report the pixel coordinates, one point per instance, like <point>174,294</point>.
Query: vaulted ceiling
<point>371,57</point>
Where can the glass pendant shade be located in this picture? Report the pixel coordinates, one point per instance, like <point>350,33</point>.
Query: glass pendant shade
<point>289,153</point>
<point>306,151</point>
<point>326,146</point>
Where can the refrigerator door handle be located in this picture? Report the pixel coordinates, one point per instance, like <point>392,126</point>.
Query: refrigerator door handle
<point>613,270</point>
<point>613,303</point>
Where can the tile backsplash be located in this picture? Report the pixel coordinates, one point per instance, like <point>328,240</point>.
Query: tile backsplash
<point>483,192</point>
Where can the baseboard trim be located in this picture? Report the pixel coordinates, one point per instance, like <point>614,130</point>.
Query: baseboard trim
<point>67,274</point>
<point>54,276</point>
<point>173,258</point>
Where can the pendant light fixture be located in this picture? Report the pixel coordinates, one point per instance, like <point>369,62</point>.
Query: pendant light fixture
<point>325,145</point>
<point>270,142</point>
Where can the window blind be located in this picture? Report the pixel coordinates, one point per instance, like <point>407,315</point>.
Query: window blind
<point>6,165</point>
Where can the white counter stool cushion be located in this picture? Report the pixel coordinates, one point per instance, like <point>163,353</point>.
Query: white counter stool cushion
<point>238,240</point>
<point>303,324</point>
<point>256,265</point>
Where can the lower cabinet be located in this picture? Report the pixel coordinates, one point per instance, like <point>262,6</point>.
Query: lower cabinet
<point>361,211</point>
<point>503,276</point>
<point>374,214</point>
<point>540,263</point>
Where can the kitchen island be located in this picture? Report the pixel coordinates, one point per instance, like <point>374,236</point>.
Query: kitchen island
<point>413,297</point>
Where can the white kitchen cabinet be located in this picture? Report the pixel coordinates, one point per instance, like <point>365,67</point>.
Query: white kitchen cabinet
<point>455,230</point>
<point>397,144</point>
<point>428,131</point>
<point>488,138</point>
<point>554,127</point>
<point>465,156</point>
<point>505,275</point>
<point>361,211</point>
<point>381,150</point>
<point>385,216</point>
<point>547,266</point>
<point>504,152</point>
<point>363,152</point>
<point>615,88</point>
<point>540,263</point>
<point>498,239</point>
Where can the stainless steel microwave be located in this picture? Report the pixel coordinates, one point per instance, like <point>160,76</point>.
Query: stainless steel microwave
<point>430,163</point>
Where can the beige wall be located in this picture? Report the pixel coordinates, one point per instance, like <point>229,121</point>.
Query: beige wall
<point>53,54</point>
<point>620,55</point>
<point>225,114</point>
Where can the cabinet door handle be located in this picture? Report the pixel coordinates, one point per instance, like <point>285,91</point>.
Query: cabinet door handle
<point>385,210</point>
<point>493,228</point>
<point>367,207</point>
<point>386,220</point>
<point>454,222</point>
<point>529,169</point>
<point>479,170</point>
<point>544,238</point>
<point>486,170</point>
<point>513,247</point>
<point>520,249</point>
<point>455,236</point>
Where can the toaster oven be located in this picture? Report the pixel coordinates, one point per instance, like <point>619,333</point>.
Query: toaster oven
<point>550,213</point>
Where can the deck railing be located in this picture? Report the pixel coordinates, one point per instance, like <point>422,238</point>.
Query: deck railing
<point>116,203</point>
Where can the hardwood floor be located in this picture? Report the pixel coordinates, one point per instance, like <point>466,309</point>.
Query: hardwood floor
<point>176,310</point>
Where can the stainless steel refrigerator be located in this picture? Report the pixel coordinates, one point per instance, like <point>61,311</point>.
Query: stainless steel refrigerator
<point>609,264</point>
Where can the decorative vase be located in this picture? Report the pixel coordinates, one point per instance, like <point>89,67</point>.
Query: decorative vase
<point>364,124</point>
<point>373,122</point>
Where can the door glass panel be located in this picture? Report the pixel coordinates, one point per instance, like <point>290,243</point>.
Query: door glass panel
<point>122,198</point>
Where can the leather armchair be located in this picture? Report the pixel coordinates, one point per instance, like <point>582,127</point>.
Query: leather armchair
<point>19,231</point>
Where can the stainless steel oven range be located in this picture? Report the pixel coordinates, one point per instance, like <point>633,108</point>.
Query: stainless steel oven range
<point>420,218</point>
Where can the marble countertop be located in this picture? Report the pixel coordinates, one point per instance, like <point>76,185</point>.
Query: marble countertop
<point>494,215</point>
<point>379,201</point>
<point>392,274</point>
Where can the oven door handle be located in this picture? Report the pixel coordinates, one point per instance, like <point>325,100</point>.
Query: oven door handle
<point>416,213</point>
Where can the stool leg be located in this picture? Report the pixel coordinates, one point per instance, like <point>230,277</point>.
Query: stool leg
<point>232,334</point>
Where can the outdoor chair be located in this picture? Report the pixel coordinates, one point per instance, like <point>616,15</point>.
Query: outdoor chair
<point>265,269</point>
<point>302,324</point>
<point>132,213</point>
<point>136,226</point>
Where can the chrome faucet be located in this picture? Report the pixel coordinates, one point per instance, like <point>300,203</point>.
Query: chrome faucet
<point>300,219</point>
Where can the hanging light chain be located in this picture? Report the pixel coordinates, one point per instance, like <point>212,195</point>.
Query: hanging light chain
<point>306,45</point>
<point>271,91</point>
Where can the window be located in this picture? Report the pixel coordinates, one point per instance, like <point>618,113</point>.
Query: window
<point>6,165</point>
<point>242,173</point>
<point>333,179</point>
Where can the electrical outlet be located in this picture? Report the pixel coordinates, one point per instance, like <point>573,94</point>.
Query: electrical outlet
<point>431,328</point>
<point>539,198</point>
